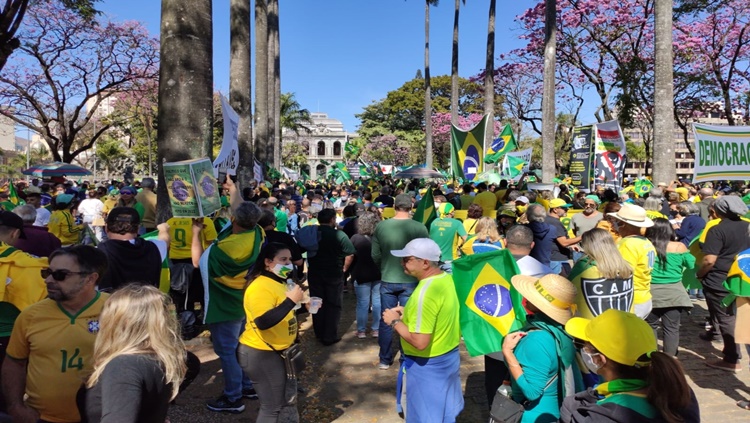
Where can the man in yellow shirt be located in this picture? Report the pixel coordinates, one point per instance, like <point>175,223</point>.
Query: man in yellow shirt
<point>62,224</point>
<point>186,285</point>
<point>639,252</point>
<point>52,343</point>
<point>486,199</point>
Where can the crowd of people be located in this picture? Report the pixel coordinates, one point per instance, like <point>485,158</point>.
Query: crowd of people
<point>100,295</point>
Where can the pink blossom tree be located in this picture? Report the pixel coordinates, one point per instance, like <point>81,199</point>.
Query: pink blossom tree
<point>67,67</point>
<point>441,134</point>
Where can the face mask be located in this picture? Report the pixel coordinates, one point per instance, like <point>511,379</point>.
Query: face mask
<point>588,360</point>
<point>521,209</point>
<point>282,270</point>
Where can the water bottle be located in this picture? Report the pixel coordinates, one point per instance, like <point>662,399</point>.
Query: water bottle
<point>505,389</point>
<point>289,286</point>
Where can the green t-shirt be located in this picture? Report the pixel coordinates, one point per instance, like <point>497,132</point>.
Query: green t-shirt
<point>446,232</point>
<point>281,220</point>
<point>433,309</point>
<point>394,234</point>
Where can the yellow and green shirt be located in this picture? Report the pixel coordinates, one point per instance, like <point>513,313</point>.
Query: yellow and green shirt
<point>433,309</point>
<point>181,236</point>
<point>23,284</point>
<point>641,254</point>
<point>63,226</point>
<point>59,348</point>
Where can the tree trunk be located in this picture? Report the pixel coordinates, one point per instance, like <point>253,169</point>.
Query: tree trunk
<point>185,92</point>
<point>262,139</point>
<point>240,97</point>
<point>489,80</point>
<point>454,67</point>
<point>663,151</point>
<point>427,88</point>
<point>274,81</point>
<point>548,98</point>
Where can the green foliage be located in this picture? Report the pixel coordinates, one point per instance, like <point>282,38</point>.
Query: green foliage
<point>85,8</point>
<point>293,116</point>
<point>109,153</point>
<point>294,153</point>
<point>12,170</point>
<point>635,151</point>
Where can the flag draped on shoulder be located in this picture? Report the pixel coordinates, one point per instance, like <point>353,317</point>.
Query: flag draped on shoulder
<point>467,151</point>
<point>426,209</point>
<point>503,144</point>
<point>490,307</point>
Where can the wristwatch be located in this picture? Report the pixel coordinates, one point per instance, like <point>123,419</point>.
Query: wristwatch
<point>393,323</point>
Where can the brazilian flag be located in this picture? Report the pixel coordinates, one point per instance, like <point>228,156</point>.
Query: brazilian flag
<point>643,186</point>
<point>490,307</point>
<point>503,144</point>
<point>467,151</point>
<point>351,149</point>
<point>738,277</point>
<point>165,276</point>
<point>426,209</point>
<point>513,166</point>
<point>364,172</point>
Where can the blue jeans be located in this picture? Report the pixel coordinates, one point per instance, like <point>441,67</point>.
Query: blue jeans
<point>561,268</point>
<point>365,291</point>
<point>225,337</point>
<point>391,295</point>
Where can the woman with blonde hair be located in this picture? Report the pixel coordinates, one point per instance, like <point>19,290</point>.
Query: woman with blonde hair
<point>486,238</point>
<point>139,358</point>
<point>603,279</point>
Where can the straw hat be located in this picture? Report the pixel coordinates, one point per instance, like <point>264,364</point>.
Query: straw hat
<point>552,294</point>
<point>633,215</point>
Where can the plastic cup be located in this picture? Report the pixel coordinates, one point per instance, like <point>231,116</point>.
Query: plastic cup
<point>315,303</point>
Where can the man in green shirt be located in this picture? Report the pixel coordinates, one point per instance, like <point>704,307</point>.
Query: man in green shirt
<point>428,325</point>
<point>396,286</point>
<point>448,233</point>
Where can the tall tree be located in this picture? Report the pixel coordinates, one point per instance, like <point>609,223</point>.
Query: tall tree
<point>489,75</point>
<point>664,168</point>
<point>70,65</point>
<point>262,137</point>
<point>240,97</point>
<point>185,92</point>
<point>274,81</point>
<point>548,100</point>
<point>454,64</point>
<point>427,88</point>
<point>14,12</point>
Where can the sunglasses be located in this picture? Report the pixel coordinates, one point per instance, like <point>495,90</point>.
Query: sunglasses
<point>405,260</point>
<point>59,275</point>
<point>589,205</point>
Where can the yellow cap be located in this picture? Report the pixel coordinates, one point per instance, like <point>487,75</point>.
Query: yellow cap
<point>445,209</point>
<point>620,336</point>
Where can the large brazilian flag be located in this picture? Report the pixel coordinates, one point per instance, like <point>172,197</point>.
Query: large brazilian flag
<point>426,213</point>
<point>467,151</point>
<point>490,307</point>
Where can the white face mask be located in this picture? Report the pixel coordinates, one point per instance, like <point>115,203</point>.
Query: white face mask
<point>588,360</point>
<point>282,270</point>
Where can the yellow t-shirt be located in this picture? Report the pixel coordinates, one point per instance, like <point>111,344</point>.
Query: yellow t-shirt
<point>181,236</point>
<point>23,283</point>
<point>262,295</point>
<point>487,200</point>
<point>641,254</point>
<point>499,194</point>
<point>433,309</point>
<point>683,192</point>
<point>59,348</point>
<point>470,225</point>
<point>63,226</point>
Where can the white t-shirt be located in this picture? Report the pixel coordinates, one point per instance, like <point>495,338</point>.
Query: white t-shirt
<point>90,208</point>
<point>42,217</point>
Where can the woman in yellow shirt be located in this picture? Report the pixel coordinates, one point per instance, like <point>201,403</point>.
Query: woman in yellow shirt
<point>472,217</point>
<point>271,328</point>
<point>62,224</point>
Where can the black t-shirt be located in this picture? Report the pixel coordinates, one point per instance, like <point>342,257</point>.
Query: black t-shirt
<point>364,267</point>
<point>725,241</point>
<point>385,199</point>
<point>333,247</point>
<point>559,253</point>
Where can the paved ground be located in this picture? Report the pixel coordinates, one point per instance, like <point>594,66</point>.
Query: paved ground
<point>344,385</point>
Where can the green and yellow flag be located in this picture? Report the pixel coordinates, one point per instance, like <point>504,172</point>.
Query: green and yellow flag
<point>467,151</point>
<point>364,172</point>
<point>426,209</point>
<point>352,149</point>
<point>503,144</point>
<point>13,195</point>
<point>513,166</point>
<point>490,307</point>
<point>643,186</point>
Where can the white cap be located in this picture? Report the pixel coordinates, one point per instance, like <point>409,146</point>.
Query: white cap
<point>523,199</point>
<point>422,248</point>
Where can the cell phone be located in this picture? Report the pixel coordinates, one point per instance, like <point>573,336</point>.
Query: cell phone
<point>222,177</point>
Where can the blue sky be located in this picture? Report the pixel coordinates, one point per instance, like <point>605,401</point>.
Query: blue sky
<point>338,56</point>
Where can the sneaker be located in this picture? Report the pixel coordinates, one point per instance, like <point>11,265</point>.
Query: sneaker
<point>706,336</point>
<point>249,393</point>
<point>361,334</point>
<point>223,404</point>
<point>384,366</point>
<point>693,298</point>
<point>723,365</point>
<point>375,334</point>
<point>700,297</point>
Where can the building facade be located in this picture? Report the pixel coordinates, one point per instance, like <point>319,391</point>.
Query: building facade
<point>326,142</point>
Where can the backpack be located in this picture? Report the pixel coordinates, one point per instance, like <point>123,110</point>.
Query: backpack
<point>308,238</point>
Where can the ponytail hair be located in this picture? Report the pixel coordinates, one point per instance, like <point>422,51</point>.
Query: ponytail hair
<point>668,390</point>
